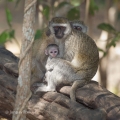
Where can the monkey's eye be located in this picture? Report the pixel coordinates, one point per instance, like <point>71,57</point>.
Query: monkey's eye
<point>56,27</point>
<point>55,51</point>
<point>51,52</point>
<point>63,28</point>
<point>79,28</point>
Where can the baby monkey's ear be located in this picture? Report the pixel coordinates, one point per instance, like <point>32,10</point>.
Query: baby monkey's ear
<point>46,52</point>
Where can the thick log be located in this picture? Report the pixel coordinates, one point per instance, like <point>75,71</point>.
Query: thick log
<point>93,101</point>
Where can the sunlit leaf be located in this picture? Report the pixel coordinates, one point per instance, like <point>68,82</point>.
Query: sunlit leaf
<point>9,17</point>
<point>93,7</point>
<point>75,2</point>
<point>46,11</point>
<point>73,14</point>
<point>106,27</point>
<point>38,34</point>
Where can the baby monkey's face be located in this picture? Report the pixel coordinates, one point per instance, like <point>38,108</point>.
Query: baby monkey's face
<point>53,52</point>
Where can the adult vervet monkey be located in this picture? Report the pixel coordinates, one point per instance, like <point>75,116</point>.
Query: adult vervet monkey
<point>39,58</point>
<point>78,50</point>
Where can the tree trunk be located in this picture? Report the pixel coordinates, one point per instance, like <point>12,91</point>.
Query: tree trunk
<point>93,101</point>
<point>23,88</point>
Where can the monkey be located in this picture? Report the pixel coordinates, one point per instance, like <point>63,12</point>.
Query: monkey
<point>78,53</point>
<point>79,25</point>
<point>39,58</point>
<point>52,50</point>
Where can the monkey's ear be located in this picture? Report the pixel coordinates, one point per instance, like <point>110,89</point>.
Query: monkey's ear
<point>46,52</point>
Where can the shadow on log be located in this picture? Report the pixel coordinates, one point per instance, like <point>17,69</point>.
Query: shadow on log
<point>93,101</point>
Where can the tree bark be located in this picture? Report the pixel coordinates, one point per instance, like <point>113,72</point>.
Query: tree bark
<point>23,88</point>
<point>93,101</point>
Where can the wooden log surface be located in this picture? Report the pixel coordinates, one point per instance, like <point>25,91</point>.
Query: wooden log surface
<point>93,101</point>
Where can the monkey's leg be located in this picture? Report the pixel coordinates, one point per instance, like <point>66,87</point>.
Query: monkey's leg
<point>51,85</point>
<point>76,84</point>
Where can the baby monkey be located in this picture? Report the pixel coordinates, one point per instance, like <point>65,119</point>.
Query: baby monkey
<point>52,51</point>
<point>54,70</point>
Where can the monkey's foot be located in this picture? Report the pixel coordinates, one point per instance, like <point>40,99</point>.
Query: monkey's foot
<point>45,89</point>
<point>38,84</point>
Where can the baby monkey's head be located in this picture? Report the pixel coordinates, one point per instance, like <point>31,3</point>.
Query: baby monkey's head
<point>52,50</point>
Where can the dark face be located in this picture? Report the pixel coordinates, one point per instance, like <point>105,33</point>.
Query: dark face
<point>59,31</point>
<point>77,28</point>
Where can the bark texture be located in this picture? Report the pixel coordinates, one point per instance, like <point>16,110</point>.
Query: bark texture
<point>93,101</point>
<point>23,88</point>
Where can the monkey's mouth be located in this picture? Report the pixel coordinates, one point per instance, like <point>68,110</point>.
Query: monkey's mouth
<point>59,36</point>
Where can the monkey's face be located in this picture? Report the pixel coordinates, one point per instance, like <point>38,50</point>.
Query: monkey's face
<point>79,25</point>
<point>59,31</point>
<point>60,27</point>
<point>53,52</point>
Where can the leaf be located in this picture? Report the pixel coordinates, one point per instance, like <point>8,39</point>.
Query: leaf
<point>73,14</point>
<point>93,7</point>
<point>75,2</point>
<point>62,4</point>
<point>6,35</point>
<point>38,34</point>
<point>46,11</point>
<point>113,42</point>
<point>101,50</point>
<point>12,34</point>
<point>9,17</point>
<point>3,37</point>
<point>106,27</point>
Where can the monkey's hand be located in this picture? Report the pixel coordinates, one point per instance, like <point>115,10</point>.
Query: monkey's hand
<point>49,68</point>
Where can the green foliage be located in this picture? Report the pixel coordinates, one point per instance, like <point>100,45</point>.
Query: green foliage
<point>116,36</point>
<point>73,14</point>
<point>62,4</point>
<point>75,2</point>
<point>93,7</point>
<point>104,52</point>
<point>38,34</point>
<point>113,41</point>
<point>6,35</point>
<point>9,17</point>
<point>46,11</point>
<point>9,33</point>
<point>107,27</point>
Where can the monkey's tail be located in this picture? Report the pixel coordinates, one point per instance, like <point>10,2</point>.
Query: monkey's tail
<point>76,84</point>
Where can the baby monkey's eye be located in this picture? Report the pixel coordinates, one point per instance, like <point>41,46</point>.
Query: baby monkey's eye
<point>51,52</point>
<point>55,51</point>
